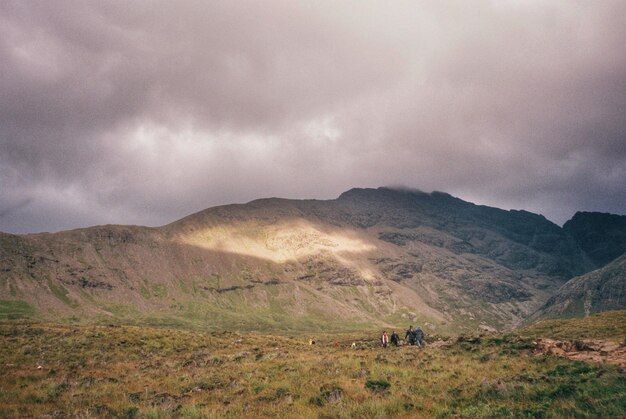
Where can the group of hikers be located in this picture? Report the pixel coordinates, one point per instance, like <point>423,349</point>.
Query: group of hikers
<point>412,336</point>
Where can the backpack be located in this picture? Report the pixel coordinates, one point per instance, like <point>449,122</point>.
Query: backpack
<point>419,334</point>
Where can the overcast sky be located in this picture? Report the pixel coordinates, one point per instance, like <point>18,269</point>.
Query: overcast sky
<point>144,112</point>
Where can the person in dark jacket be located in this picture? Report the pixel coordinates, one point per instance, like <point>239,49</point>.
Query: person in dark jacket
<point>395,339</point>
<point>410,336</point>
<point>419,336</point>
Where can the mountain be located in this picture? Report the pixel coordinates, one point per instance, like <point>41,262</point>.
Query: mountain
<point>601,236</point>
<point>372,257</point>
<point>601,290</point>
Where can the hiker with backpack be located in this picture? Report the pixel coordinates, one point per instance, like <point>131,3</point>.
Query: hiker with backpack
<point>419,336</point>
<point>410,335</point>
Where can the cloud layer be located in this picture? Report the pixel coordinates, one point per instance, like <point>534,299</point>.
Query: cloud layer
<point>143,112</point>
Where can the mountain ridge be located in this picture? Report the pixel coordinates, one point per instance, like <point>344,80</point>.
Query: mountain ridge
<point>369,257</point>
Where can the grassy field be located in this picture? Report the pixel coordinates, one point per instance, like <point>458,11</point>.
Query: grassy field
<point>124,371</point>
<point>606,325</point>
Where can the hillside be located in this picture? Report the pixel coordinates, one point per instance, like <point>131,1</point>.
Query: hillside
<point>370,257</point>
<point>609,325</point>
<point>601,236</point>
<point>600,290</point>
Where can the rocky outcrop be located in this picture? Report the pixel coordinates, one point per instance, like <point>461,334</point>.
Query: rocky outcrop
<point>589,350</point>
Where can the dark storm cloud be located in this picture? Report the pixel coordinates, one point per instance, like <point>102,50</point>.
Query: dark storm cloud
<point>142,112</point>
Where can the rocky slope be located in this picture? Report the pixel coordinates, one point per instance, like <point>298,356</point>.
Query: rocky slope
<point>600,290</point>
<point>372,256</point>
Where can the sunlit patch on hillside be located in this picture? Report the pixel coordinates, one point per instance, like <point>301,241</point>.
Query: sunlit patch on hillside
<point>279,243</point>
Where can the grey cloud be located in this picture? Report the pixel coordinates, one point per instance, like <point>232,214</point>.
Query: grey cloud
<point>143,112</point>
<point>13,208</point>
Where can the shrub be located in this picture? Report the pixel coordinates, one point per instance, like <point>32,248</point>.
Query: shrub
<point>328,393</point>
<point>378,386</point>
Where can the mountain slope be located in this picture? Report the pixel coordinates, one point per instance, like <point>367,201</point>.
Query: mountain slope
<point>371,257</point>
<point>601,290</point>
<point>602,236</point>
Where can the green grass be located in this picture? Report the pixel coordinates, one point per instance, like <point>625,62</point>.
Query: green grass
<point>145,292</point>
<point>159,291</point>
<point>606,325</point>
<point>148,290</point>
<point>15,309</point>
<point>13,290</point>
<point>124,371</point>
<point>122,312</point>
<point>61,293</point>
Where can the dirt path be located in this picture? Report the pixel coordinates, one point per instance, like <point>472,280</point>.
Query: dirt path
<point>591,350</point>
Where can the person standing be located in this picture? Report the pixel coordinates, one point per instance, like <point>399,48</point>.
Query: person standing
<point>419,336</point>
<point>384,339</point>
<point>410,335</point>
<point>395,339</point>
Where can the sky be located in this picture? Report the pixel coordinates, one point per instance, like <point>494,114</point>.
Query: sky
<point>144,112</point>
